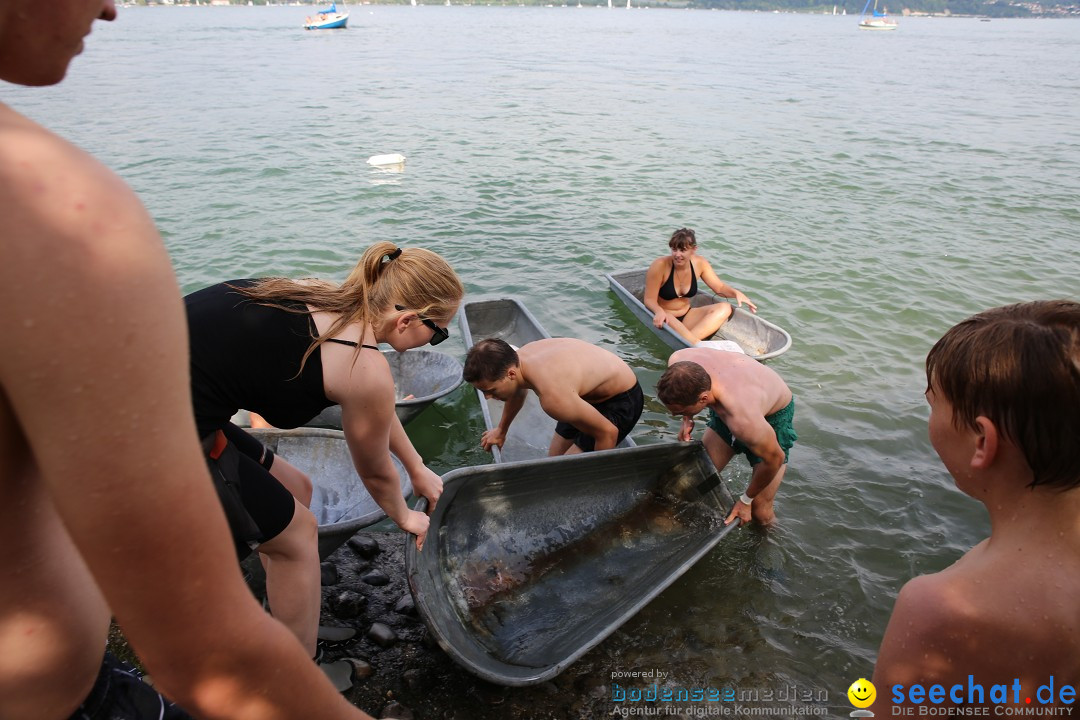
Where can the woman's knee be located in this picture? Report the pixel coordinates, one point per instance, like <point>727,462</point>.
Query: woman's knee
<point>720,312</point>
<point>301,534</point>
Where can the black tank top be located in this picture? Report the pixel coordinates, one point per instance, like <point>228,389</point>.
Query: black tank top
<point>247,355</point>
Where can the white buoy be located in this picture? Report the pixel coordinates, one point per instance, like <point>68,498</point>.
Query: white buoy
<point>391,159</point>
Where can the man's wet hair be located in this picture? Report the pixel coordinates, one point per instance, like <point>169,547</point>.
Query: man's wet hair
<point>488,360</point>
<point>682,384</point>
<point>1019,366</point>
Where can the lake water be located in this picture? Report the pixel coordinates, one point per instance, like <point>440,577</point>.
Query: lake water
<point>867,190</point>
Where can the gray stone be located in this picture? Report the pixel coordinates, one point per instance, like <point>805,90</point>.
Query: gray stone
<point>339,673</point>
<point>382,635</point>
<point>365,546</point>
<point>406,606</point>
<point>328,573</point>
<point>335,635</point>
<point>377,578</point>
<point>396,710</point>
<point>348,604</point>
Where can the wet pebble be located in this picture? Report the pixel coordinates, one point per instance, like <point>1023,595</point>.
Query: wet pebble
<point>406,606</point>
<point>428,641</point>
<point>396,710</point>
<point>382,635</point>
<point>361,668</point>
<point>348,604</point>
<point>413,679</point>
<point>328,573</point>
<point>365,546</point>
<point>377,578</point>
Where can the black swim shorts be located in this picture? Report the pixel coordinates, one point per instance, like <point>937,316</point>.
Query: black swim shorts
<point>622,410</point>
<point>267,503</point>
<point>120,694</point>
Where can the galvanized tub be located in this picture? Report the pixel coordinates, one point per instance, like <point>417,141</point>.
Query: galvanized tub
<point>528,565</point>
<point>340,502</point>
<point>508,319</point>
<point>759,338</point>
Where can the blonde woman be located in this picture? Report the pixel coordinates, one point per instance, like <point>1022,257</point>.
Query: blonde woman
<point>287,349</point>
<point>672,281</point>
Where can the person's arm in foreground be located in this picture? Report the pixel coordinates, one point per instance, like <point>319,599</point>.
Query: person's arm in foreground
<point>97,372</point>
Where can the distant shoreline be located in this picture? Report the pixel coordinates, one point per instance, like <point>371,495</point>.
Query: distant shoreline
<point>1048,12</point>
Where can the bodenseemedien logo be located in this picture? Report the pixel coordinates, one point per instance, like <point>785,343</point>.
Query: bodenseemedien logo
<point>861,695</point>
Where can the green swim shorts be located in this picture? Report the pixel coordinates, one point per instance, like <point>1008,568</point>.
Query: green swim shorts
<point>781,425</point>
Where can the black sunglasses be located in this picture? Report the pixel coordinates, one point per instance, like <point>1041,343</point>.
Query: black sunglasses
<point>438,333</point>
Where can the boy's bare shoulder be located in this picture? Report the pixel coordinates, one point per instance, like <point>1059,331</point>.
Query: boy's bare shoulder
<point>974,616</point>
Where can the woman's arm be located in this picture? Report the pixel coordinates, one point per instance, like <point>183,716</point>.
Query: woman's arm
<point>425,481</point>
<point>368,420</point>
<point>721,288</point>
<point>654,278</point>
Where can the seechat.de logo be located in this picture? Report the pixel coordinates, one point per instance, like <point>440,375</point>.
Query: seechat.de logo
<point>861,695</point>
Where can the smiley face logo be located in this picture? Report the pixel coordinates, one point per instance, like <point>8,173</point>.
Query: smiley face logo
<point>862,693</point>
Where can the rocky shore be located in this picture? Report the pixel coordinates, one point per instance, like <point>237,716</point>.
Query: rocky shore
<point>400,671</point>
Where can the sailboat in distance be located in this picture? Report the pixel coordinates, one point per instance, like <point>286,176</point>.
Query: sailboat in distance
<point>328,18</point>
<point>877,20</point>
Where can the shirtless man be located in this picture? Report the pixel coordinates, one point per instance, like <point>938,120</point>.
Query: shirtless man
<point>1004,394</point>
<point>750,411</point>
<point>592,394</point>
<point>106,505</point>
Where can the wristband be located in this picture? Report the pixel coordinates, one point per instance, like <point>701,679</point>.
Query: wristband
<point>745,499</point>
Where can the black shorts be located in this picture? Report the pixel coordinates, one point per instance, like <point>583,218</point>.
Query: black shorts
<point>622,410</point>
<point>268,503</point>
<point>120,694</point>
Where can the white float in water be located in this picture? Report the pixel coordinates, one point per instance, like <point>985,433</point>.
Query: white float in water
<point>384,160</point>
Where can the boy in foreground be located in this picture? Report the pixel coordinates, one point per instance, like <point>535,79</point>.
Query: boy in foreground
<point>1004,394</point>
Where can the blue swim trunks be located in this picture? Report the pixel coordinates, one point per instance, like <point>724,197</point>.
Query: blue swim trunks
<point>781,422</point>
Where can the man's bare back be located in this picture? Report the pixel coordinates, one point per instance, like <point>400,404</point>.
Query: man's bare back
<point>558,366</point>
<point>748,384</point>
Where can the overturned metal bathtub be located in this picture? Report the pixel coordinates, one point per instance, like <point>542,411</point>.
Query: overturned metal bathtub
<point>528,565</point>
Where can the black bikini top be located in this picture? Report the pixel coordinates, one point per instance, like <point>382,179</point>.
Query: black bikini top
<point>667,290</point>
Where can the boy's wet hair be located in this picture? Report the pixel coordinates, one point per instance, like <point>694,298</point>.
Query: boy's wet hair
<point>682,384</point>
<point>1019,366</point>
<point>488,360</point>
